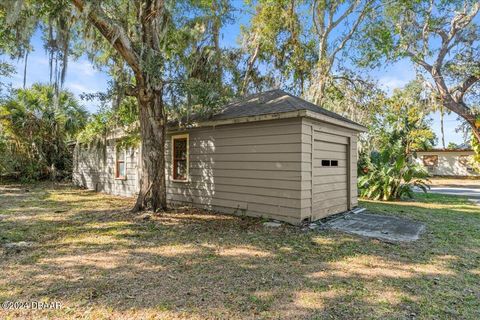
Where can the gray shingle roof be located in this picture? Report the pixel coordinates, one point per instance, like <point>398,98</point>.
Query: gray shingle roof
<point>273,101</point>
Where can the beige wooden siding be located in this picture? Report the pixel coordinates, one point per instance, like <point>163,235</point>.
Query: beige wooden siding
<point>254,169</point>
<point>334,189</point>
<point>94,168</point>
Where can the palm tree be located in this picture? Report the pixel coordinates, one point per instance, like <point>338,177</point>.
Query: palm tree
<point>39,122</point>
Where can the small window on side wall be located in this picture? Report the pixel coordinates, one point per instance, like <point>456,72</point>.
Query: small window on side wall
<point>120,164</point>
<point>430,160</point>
<point>180,155</point>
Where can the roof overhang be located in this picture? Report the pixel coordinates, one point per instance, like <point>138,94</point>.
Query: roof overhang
<point>340,123</point>
<point>275,116</point>
<point>444,150</point>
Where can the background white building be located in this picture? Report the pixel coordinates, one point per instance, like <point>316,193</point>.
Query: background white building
<point>448,162</point>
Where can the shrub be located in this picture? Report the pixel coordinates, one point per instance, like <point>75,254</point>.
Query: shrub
<point>390,175</point>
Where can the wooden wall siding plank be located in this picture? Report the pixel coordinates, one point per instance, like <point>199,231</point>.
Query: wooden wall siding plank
<point>275,123</point>
<point>240,206</point>
<point>204,190</point>
<point>236,197</point>
<point>248,157</point>
<point>247,141</point>
<point>254,182</point>
<point>245,131</point>
<point>229,210</point>
<point>210,145</point>
<point>254,148</point>
<point>272,175</point>
<point>252,165</point>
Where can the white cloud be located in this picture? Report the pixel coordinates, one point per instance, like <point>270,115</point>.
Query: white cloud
<point>82,68</point>
<point>78,88</point>
<point>390,83</point>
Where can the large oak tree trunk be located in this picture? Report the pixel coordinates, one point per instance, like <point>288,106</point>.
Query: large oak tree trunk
<point>152,194</point>
<point>152,26</point>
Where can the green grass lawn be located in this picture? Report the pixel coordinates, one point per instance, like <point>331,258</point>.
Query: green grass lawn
<point>102,262</point>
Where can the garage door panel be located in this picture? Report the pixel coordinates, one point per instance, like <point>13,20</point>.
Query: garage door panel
<point>341,163</point>
<point>328,146</point>
<point>325,212</point>
<point>330,184</point>
<point>328,171</point>
<point>329,203</point>
<point>332,138</point>
<point>326,195</point>
<point>333,155</point>
<point>329,187</point>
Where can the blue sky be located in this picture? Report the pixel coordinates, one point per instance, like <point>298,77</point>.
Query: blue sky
<point>82,77</point>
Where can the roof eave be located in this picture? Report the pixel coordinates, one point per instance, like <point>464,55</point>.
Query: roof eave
<point>246,119</point>
<point>276,116</point>
<point>338,122</point>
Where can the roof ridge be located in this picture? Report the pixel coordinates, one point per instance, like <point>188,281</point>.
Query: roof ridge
<point>271,101</point>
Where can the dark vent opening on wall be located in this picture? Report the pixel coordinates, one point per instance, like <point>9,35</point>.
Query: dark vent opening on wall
<point>325,163</point>
<point>334,163</point>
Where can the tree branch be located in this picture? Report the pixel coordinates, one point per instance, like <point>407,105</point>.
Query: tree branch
<point>333,24</point>
<point>350,80</point>
<point>418,60</point>
<point>460,91</point>
<point>354,28</point>
<point>460,21</point>
<point>131,91</point>
<point>114,33</point>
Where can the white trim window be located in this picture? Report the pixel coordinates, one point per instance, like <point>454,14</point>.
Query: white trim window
<point>120,163</point>
<point>180,158</point>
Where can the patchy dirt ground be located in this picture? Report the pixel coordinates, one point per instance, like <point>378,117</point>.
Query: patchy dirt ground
<point>87,252</point>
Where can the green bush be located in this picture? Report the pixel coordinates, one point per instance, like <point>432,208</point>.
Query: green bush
<point>390,175</point>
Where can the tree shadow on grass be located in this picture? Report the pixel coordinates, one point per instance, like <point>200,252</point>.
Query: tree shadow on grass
<point>194,264</point>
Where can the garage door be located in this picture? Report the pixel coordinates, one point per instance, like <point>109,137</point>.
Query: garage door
<point>330,175</point>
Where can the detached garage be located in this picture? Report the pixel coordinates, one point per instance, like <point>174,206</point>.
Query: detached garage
<point>270,155</point>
